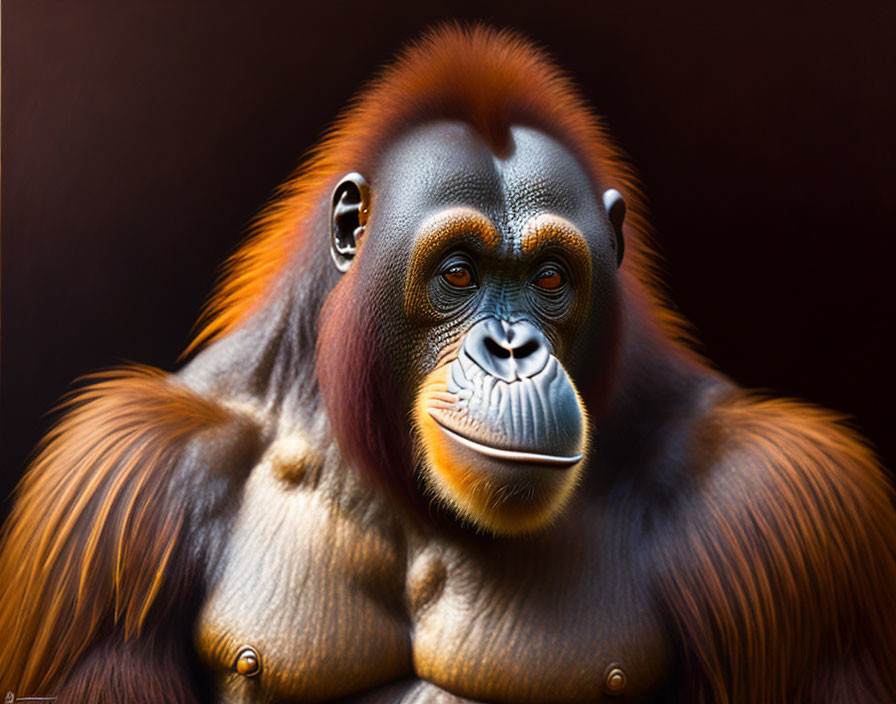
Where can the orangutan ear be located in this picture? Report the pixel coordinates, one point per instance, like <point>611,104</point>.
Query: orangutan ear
<point>615,207</point>
<point>349,210</point>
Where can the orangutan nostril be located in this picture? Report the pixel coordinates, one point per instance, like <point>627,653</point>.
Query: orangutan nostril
<point>526,349</point>
<point>507,351</point>
<point>495,349</point>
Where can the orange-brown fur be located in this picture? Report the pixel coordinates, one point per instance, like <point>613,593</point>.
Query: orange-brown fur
<point>91,549</point>
<point>782,586</point>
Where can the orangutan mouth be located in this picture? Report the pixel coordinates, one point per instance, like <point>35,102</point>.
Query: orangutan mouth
<point>508,455</point>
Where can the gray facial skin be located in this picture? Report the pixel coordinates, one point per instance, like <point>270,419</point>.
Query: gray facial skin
<point>518,347</point>
<point>507,380</point>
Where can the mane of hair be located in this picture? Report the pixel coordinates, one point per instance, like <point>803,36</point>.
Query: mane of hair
<point>488,78</point>
<point>781,584</point>
<point>91,549</point>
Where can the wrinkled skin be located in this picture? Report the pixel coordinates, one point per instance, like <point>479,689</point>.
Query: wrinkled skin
<point>453,457</point>
<point>490,364</point>
<point>528,603</point>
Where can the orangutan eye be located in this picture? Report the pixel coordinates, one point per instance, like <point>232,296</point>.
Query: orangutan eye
<point>458,276</point>
<point>550,278</point>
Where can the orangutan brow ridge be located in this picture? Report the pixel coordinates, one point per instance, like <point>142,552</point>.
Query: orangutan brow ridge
<point>546,230</point>
<point>456,225</point>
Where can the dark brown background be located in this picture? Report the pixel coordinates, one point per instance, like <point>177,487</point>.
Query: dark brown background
<point>138,139</point>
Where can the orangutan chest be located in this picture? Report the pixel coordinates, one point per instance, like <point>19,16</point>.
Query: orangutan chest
<point>314,603</point>
<point>544,620</point>
<point>307,601</point>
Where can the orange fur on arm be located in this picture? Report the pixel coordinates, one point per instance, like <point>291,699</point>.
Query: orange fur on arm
<point>92,558</point>
<point>781,582</point>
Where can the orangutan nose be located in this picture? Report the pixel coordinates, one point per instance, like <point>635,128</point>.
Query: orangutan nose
<point>507,351</point>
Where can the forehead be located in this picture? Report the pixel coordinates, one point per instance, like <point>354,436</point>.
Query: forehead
<point>444,164</point>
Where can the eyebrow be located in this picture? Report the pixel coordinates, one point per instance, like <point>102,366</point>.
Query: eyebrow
<point>455,224</point>
<point>546,230</point>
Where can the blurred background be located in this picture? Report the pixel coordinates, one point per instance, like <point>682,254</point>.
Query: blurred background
<point>140,137</point>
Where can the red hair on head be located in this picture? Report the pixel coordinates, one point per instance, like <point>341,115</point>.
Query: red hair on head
<point>486,77</point>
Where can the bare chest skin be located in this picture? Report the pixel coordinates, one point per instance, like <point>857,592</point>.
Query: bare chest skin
<point>338,598</point>
<point>537,619</point>
<point>311,579</point>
